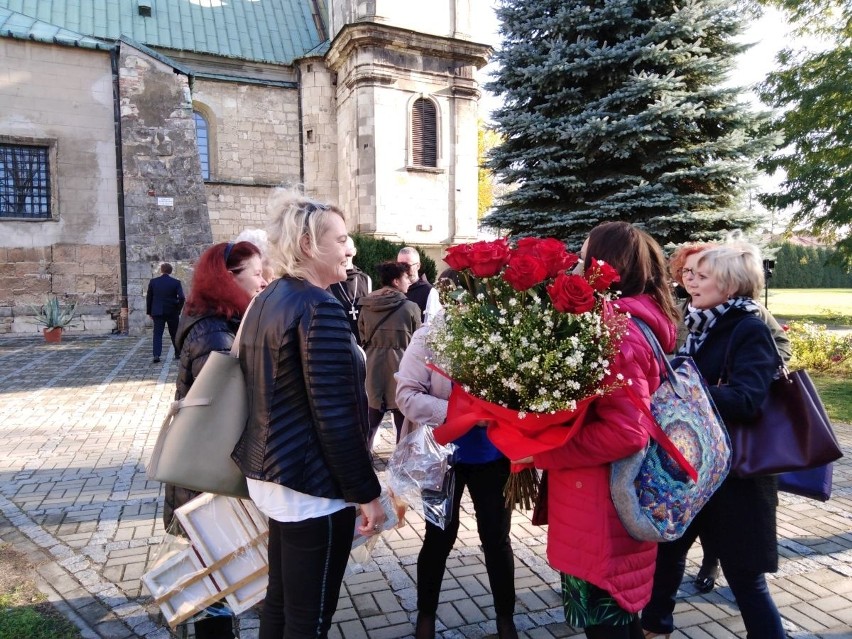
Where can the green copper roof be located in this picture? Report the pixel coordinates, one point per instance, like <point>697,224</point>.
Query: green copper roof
<point>258,30</point>
<point>17,25</point>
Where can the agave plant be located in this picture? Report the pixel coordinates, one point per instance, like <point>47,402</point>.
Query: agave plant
<point>53,314</point>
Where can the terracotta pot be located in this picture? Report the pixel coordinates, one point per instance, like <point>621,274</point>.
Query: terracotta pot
<point>53,335</point>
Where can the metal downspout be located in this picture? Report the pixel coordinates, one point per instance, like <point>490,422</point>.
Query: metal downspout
<point>123,318</point>
<point>301,127</point>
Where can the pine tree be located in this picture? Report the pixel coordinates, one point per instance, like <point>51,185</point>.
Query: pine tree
<point>615,110</point>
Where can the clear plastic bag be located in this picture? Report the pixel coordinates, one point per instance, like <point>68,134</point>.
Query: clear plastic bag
<point>362,545</point>
<point>419,474</point>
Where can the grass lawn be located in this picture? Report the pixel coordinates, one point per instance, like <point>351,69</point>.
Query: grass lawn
<point>831,306</point>
<point>836,394</point>
<point>24,611</point>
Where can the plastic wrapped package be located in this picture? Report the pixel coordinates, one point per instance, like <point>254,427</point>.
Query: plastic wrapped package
<point>419,473</point>
<point>222,554</point>
<point>362,545</point>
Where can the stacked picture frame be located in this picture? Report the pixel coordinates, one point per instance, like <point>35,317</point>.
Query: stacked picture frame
<point>226,559</point>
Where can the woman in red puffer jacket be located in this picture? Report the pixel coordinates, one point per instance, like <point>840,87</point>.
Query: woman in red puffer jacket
<point>606,574</point>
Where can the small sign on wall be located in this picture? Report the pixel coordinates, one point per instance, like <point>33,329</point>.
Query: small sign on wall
<point>165,201</point>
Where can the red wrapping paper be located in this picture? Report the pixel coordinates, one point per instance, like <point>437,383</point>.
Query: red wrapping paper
<point>514,436</point>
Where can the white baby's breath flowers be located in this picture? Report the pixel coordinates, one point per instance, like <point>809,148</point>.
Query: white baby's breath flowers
<point>514,349</point>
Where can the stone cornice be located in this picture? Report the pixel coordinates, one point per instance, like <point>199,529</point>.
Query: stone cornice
<point>371,35</point>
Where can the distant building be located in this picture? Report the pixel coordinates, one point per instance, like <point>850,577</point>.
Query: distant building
<point>139,131</point>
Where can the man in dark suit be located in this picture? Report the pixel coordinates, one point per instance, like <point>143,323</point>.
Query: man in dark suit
<point>164,302</point>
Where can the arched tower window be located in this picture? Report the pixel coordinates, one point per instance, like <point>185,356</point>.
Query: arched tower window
<point>424,133</point>
<point>202,139</point>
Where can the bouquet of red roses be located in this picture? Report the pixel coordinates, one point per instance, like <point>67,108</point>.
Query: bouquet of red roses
<point>528,343</point>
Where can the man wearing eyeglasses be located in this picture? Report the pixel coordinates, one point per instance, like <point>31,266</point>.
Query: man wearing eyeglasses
<point>420,291</point>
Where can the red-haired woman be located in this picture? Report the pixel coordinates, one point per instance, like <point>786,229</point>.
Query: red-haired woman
<point>227,276</point>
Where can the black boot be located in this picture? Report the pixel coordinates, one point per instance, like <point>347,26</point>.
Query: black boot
<point>506,627</point>
<point>705,580</point>
<point>425,628</point>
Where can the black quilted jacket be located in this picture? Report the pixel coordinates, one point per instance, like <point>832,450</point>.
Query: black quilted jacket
<point>197,337</point>
<point>307,424</point>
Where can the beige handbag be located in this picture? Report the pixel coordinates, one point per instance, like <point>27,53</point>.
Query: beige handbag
<point>193,449</point>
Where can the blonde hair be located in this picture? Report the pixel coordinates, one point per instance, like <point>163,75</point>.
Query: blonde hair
<point>737,267</point>
<point>293,216</point>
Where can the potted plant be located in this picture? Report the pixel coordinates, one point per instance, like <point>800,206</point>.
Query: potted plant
<point>54,317</point>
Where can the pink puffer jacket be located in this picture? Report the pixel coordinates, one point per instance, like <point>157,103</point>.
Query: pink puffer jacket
<point>585,538</point>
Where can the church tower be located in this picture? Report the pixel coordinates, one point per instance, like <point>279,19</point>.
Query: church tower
<point>406,106</point>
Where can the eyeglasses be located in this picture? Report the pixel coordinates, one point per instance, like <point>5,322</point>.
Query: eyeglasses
<point>687,271</point>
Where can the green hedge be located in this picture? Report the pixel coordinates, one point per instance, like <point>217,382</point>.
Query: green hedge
<point>372,251</point>
<point>799,266</point>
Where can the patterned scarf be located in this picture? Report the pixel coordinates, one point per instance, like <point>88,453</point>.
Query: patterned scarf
<point>700,321</point>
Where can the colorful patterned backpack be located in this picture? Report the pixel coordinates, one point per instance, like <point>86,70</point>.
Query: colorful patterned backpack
<point>655,491</point>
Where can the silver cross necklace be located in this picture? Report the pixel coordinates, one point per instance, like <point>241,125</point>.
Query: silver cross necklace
<point>353,312</point>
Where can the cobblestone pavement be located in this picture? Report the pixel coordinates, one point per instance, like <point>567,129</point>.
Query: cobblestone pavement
<point>79,420</point>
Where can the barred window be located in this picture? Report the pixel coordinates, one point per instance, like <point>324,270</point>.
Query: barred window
<point>24,181</point>
<point>202,139</point>
<point>424,133</point>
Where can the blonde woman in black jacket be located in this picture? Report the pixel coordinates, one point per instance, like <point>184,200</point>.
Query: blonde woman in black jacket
<point>304,449</point>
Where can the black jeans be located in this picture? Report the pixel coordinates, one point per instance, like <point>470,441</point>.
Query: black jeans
<point>760,615</point>
<point>307,560</point>
<point>160,322</point>
<point>375,417</point>
<point>493,520</point>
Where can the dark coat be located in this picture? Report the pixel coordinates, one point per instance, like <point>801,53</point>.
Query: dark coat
<point>349,294</point>
<point>164,296</point>
<point>387,322</point>
<point>197,337</point>
<point>738,523</point>
<point>307,424</point>
<point>419,294</point>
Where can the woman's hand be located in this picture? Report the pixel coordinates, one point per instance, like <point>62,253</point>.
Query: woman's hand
<point>372,518</point>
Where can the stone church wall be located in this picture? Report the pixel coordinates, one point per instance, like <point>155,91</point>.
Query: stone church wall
<point>253,134</point>
<point>61,97</point>
<point>166,218</point>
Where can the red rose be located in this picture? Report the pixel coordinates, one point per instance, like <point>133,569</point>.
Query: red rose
<point>458,257</point>
<point>524,271</point>
<point>601,275</point>
<point>487,258</point>
<point>550,251</point>
<point>571,294</point>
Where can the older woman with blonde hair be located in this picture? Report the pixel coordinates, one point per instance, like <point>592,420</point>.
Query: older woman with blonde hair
<point>304,449</point>
<point>734,351</point>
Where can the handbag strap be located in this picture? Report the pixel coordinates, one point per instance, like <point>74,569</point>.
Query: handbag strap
<point>666,374</point>
<point>783,371</point>
<point>235,347</point>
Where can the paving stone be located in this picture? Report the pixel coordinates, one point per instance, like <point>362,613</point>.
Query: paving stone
<point>78,428</point>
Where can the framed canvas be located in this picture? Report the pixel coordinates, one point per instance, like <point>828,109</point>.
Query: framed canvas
<point>231,538</point>
<point>167,583</point>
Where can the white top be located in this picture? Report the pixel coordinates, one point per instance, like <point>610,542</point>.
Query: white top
<point>433,305</point>
<point>285,504</point>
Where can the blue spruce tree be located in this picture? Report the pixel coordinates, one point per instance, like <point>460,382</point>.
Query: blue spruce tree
<point>616,110</point>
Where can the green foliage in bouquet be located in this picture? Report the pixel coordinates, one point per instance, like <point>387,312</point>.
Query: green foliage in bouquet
<point>522,331</point>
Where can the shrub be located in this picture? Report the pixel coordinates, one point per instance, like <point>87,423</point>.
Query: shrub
<point>374,250</point>
<point>817,349</point>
